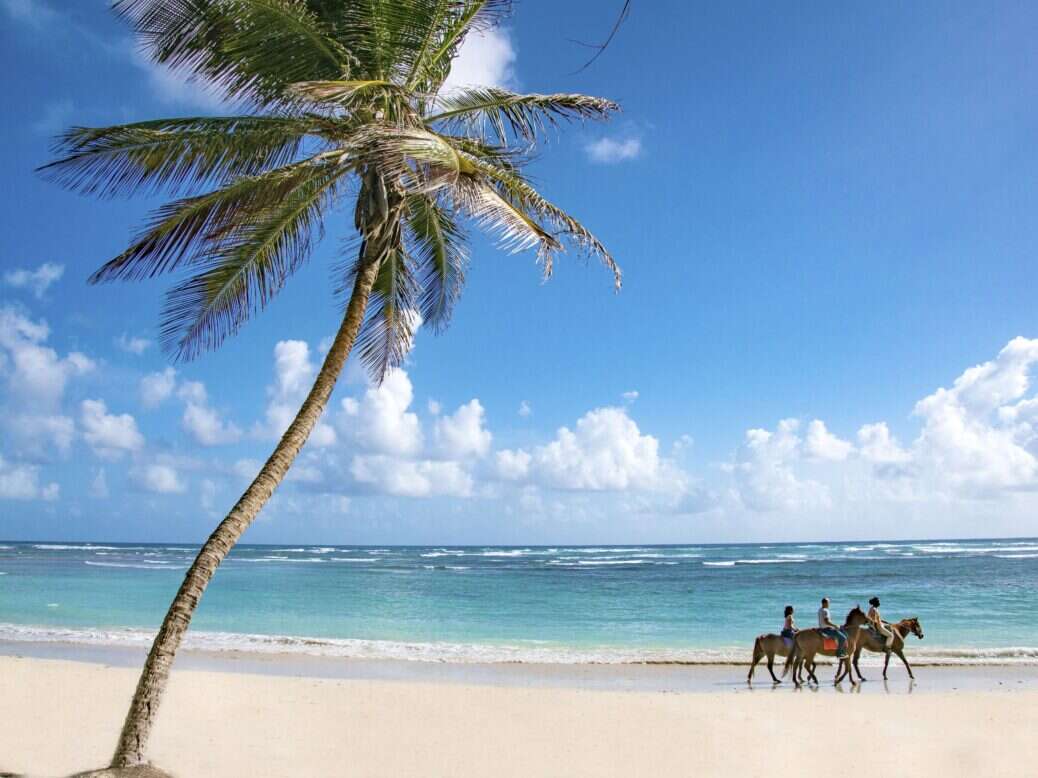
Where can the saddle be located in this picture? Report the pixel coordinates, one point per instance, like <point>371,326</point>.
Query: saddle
<point>829,644</point>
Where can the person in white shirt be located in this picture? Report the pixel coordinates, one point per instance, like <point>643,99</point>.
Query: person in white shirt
<point>830,630</point>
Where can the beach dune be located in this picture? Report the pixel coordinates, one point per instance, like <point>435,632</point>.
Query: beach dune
<point>62,716</point>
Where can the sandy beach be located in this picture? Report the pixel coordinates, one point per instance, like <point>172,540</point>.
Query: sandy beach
<point>61,716</point>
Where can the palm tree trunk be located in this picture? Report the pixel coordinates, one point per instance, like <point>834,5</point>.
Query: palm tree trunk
<point>152,683</point>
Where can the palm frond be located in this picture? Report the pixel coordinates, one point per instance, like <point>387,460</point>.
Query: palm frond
<point>524,116</point>
<point>516,189</point>
<point>392,315</point>
<point>191,228</point>
<point>247,266</point>
<point>516,230</point>
<point>175,153</point>
<point>249,49</point>
<point>438,246</point>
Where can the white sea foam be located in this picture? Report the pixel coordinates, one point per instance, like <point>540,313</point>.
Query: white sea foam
<point>133,566</point>
<point>367,560</point>
<point>720,564</point>
<point>529,652</point>
<point>1017,556</point>
<point>593,562</point>
<point>81,547</point>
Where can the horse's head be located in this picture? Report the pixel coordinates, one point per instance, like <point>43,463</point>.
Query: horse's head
<point>914,627</point>
<point>855,617</point>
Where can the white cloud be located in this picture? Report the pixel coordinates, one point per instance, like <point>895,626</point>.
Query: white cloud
<point>207,428</point>
<point>764,474</point>
<point>132,344</point>
<point>99,486</point>
<point>409,478</point>
<point>525,411</point>
<point>608,151</point>
<point>156,388</point>
<point>158,478</point>
<point>37,281</point>
<point>605,451</point>
<point>109,435</point>
<point>293,377</point>
<point>434,407</point>
<point>39,375</point>
<point>486,58</point>
<point>512,465</point>
<point>877,445</point>
<point>822,444</point>
<point>629,397</point>
<point>380,421</point>
<point>463,434</point>
<point>22,482</point>
<point>980,437</point>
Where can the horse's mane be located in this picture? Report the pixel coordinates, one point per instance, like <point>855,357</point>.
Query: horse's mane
<point>851,612</point>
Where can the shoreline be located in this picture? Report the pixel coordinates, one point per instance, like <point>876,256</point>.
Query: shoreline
<point>679,678</point>
<point>63,716</point>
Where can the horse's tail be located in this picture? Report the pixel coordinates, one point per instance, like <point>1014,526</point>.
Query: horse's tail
<point>791,658</point>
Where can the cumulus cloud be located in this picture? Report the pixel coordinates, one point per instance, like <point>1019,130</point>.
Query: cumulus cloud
<point>764,473</point>
<point>22,482</point>
<point>604,451</point>
<point>293,377</point>
<point>132,344</point>
<point>609,151</point>
<point>512,465</point>
<point>411,478</point>
<point>201,421</point>
<point>155,388</point>
<point>629,397</point>
<point>34,377</point>
<point>109,435</point>
<point>525,411</point>
<point>980,436</point>
<point>822,444</point>
<point>37,281</point>
<point>158,478</point>
<point>462,434</point>
<point>380,421</point>
<point>486,58</point>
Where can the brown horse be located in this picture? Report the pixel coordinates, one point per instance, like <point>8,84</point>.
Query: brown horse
<point>809,643</point>
<point>871,641</point>
<point>768,646</point>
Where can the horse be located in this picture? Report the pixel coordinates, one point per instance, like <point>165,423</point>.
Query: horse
<point>873,642</point>
<point>809,642</point>
<point>768,646</point>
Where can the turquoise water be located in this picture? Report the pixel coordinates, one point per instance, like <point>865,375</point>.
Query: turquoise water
<point>977,599</point>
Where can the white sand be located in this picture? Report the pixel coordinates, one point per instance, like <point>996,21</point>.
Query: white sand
<point>59,716</point>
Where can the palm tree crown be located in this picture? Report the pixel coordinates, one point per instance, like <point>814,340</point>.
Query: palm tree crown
<point>344,99</point>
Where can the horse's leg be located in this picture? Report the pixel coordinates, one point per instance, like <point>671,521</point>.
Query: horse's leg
<point>812,668</point>
<point>857,656</point>
<point>908,667</point>
<point>771,668</point>
<point>886,662</point>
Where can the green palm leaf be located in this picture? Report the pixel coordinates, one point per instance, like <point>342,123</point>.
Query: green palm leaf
<point>525,116</point>
<point>437,244</point>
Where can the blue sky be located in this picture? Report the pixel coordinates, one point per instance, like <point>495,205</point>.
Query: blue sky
<point>825,219</point>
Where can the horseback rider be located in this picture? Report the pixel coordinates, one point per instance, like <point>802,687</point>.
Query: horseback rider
<point>878,624</point>
<point>789,629</point>
<point>830,630</point>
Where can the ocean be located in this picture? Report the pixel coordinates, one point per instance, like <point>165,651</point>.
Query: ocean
<point>977,599</point>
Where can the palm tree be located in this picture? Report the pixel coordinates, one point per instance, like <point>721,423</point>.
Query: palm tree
<point>341,99</point>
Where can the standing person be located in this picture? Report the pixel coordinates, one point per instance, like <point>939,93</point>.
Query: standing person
<point>789,629</point>
<point>830,630</point>
<point>877,622</point>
